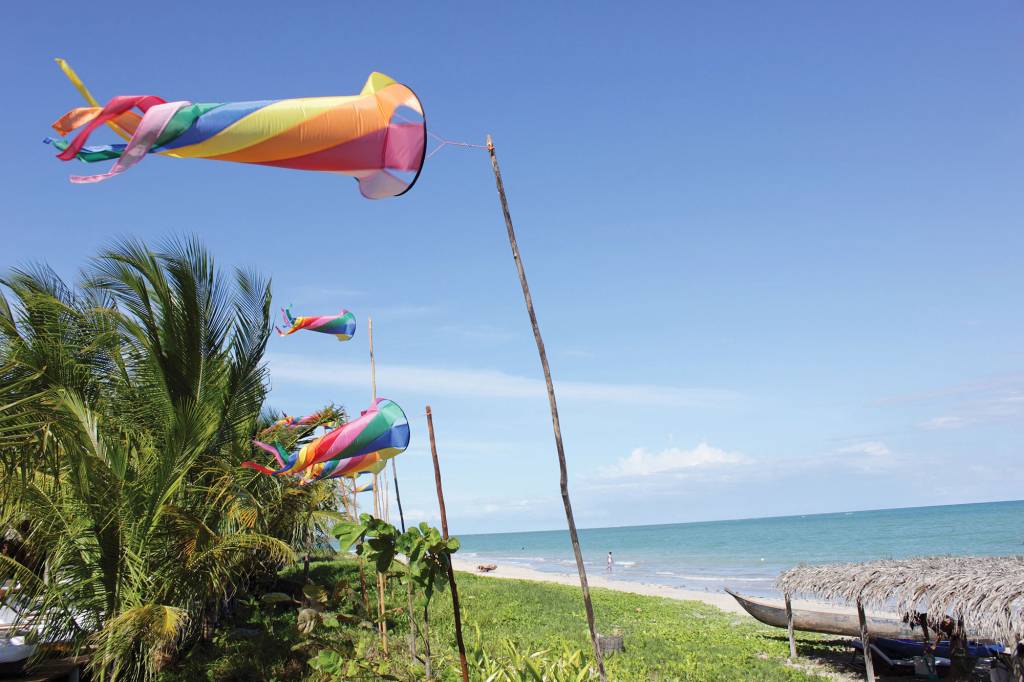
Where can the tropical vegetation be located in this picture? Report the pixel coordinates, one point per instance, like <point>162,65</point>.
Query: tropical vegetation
<point>127,401</point>
<point>130,532</point>
<point>513,629</point>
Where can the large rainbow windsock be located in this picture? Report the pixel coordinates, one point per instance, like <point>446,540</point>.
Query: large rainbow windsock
<point>380,433</point>
<point>378,136</point>
<point>342,325</point>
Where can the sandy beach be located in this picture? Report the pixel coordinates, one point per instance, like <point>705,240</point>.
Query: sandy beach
<point>719,600</point>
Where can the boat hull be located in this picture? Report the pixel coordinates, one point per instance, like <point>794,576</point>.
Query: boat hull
<point>902,648</point>
<point>825,622</point>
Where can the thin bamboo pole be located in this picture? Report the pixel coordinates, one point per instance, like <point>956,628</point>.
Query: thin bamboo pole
<point>865,641</point>
<point>376,498</point>
<point>373,362</point>
<point>408,582</point>
<point>564,476</point>
<point>362,573</point>
<point>444,533</point>
<point>789,627</point>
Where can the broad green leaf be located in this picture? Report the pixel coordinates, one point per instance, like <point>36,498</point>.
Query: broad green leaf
<point>348,534</point>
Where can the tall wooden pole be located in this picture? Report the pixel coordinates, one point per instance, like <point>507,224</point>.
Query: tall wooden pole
<point>865,641</point>
<point>789,627</point>
<point>373,399</point>
<point>437,473</point>
<point>408,581</point>
<point>564,476</point>
<point>362,573</point>
<point>444,534</point>
<point>376,497</point>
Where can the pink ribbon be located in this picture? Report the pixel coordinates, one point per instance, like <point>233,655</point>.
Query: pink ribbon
<point>145,136</point>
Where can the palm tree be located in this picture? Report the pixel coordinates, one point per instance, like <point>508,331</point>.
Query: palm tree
<point>126,405</point>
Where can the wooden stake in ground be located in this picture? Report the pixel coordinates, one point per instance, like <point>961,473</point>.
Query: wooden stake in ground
<point>444,534</point>
<point>362,573</point>
<point>865,641</point>
<point>376,498</point>
<point>789,627</point>
<point>564,476</point>
<point>409,583</point>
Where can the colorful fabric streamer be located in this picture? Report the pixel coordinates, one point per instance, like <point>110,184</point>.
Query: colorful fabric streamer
<point>289,421</point>
<point>365,488</point>
<point>380,433</point>
<point>340,468</point>
<point>379,136</point>
<point>342,325</point>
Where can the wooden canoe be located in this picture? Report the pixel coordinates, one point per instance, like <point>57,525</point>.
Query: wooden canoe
<point>825,622</point>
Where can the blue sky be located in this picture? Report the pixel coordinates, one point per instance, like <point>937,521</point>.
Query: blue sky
<point>775,248</point>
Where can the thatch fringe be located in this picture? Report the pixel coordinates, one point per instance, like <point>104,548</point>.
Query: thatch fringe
<point>987,592</point>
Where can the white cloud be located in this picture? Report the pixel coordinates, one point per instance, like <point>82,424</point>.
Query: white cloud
<point>874,448</point>
<point>484,383</point>
<point>641,462</point>
<point>949,422</point>
<point>507,506</point>
<point>997,399</point>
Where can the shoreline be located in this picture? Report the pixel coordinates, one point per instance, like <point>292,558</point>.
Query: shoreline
<point>719,600</point>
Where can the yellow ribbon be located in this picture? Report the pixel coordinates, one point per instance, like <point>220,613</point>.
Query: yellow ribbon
<point>84,91</point>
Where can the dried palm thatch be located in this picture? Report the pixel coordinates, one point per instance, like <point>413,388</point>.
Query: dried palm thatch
<point>986,592</point>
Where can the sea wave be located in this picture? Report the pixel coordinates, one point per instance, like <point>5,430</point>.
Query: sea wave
<point>714,578</point>
<point>726,579</point>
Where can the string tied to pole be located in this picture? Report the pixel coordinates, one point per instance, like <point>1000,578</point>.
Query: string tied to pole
<point>445,142</point>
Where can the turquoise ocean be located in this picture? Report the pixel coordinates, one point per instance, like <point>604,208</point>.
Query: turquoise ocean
<point>748,554</point>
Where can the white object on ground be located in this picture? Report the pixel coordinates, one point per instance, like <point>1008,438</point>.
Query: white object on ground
<point>15,649</point>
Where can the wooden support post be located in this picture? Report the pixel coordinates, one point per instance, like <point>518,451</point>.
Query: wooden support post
<point>437,472</point>
<point>408,582</point>
<point>865,641</point>
<point>922,619</point>
<point>362,573</point>
<point>789,627</point>
<point>564,476</point>
<point>444,534</point>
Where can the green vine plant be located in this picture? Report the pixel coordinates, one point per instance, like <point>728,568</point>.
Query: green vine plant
<point>427,558</point>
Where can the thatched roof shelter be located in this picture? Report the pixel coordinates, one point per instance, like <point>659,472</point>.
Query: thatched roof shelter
<point>987,592</point>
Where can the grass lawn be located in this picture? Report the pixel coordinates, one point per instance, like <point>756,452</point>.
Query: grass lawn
<point>664,639</point>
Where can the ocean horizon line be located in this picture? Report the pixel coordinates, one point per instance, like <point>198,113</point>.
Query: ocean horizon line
<point>748,518</point>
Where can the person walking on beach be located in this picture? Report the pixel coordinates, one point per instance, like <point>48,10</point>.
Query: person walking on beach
<point>611,562</point>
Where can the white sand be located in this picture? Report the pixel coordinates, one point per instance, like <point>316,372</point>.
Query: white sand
<point>719,600</point>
